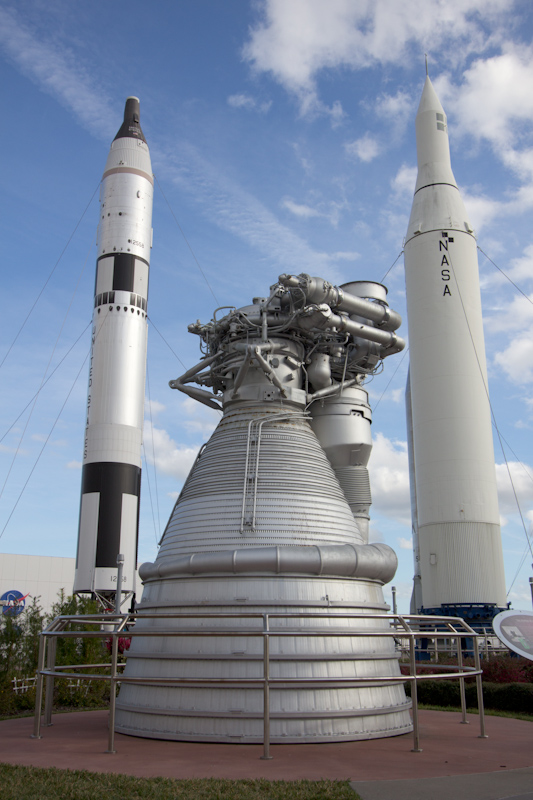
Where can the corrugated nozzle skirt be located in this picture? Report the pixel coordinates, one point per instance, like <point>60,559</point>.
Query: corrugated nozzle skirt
<point>263,526</point>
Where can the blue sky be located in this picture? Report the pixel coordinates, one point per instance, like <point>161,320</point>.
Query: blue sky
<point>282,137</point>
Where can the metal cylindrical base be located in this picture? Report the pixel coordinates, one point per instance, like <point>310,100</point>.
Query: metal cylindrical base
<point>310,712</point>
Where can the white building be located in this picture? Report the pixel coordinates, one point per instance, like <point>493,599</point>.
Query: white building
<point>36,576</point>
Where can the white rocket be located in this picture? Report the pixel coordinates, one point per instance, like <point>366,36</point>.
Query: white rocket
<point>111,476</point>
<point>457,541</point>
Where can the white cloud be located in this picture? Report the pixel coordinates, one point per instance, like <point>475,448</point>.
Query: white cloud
<point>365,149</point>
<point>514,316</point>
<point>482,210</point>
<point>374,534</point>
<point>299,209</point>
<point>493,104</point>
<point>522,476</point>
<point>345,256</point>
<point>56,70</point>
<point>517,358</point>
<point>389,479</point>
<point>395,225</point>
<point>241,101</point>
<point>405,544</point>
<point>199,418</point>
<point>330,211</point>
<point>303,160</point>
<point>403,183</point>
<point>396,111</point>
<point>397,395</point>
<point>237,211</point>
<point>74,465</point>
<point>170,458</point>
<point>519,270</point>
<point>522,268</point>
<point>494,99</point>
<point>245,101</point>
<point>294,41</point>
<point>4,448</point>
<point>520,596</point>
<point>154,406</point>
<point>404,590</point>
<point>44,439</point>
<point>173,458</point>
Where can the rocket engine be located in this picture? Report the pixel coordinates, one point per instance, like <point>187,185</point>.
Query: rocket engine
<point>274,517</point>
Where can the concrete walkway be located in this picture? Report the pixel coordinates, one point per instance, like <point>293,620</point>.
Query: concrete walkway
<point>509,784</point>
<point>454,763</point>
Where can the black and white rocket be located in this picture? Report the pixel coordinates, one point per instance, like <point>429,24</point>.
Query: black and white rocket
<point>456,525</point>
<point>111,478</point>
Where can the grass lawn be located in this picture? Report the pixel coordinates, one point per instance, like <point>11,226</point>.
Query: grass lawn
<point>33,783</point>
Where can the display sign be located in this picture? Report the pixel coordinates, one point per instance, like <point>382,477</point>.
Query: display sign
<point>515,629</point>
<point>13,602</point>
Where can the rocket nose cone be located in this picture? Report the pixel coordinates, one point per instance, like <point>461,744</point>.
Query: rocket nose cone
<point>131,127</point>
<point>132,109</point>
<point>429,100</point>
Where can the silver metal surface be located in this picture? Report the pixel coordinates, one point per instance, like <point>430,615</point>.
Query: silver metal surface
<point>120,570</point>
<point>274,515</point>
<point>376,561</point>
<point>49,690</point>
<point>203,625</point>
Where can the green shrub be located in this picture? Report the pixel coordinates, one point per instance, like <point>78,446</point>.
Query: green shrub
<point>19,651</point>
<point>82,650</point>
<point>497,696</point>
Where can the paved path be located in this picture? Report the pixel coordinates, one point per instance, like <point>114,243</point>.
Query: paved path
<point>509,784</point>
<point>380,769</point>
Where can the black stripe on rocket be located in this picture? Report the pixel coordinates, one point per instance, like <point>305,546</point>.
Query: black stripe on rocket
<point>123,278</point>
<point>111,480</point>
<point>123,272</point>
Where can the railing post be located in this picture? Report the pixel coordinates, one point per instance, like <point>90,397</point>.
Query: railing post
<point>479,686</point>
<point>39,689</point>
<point>414,695</point>
<point>113,694</point>
<point>266,690</point>
<point>49,693</point>
<point>118,594</point>
<point>462,693</point>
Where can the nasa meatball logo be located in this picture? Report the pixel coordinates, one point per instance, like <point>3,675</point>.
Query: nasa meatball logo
<point>13,603</point>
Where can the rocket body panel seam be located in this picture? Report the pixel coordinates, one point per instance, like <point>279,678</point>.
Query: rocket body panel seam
<point>437,183</point>
<point>131,170</point>
<point>120,253</point>
<point>436,230</point>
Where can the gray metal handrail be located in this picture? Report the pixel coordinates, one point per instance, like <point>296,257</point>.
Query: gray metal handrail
<point>411,627</point>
